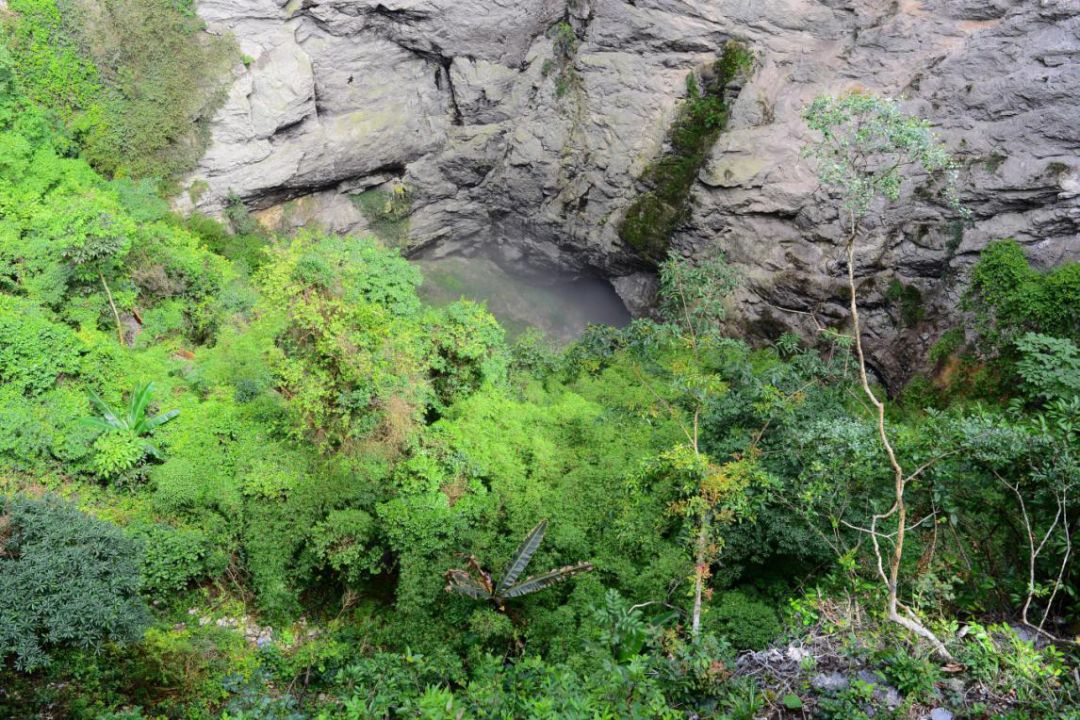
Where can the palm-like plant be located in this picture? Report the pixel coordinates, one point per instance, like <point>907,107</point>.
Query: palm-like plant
<point>475,582</point>
<point>135,420</point>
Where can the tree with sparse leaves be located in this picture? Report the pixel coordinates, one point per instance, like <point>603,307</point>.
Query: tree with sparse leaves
<point>866,147</point>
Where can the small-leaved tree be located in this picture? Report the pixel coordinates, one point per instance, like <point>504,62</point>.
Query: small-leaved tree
<point>867,147</point>
<point>96,242</point>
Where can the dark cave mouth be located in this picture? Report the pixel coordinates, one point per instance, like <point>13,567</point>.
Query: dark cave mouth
<point>558,303</point>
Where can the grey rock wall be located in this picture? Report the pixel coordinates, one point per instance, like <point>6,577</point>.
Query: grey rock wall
<point>460,100</point>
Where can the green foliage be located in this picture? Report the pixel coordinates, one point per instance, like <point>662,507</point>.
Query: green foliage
<point>867,142</point>
<point>1049,366</point>
<point>914,676</point>
<point>70,239</point>
<point>345,542</point>
<point>745,622</point>
<point>342,444</point>
<point>947,345</point>
<point>692,293</point>
<point>469,351</point>
<point>909,300</point>
<point>997,654</point>
<point>173,559</point>
<point>34,352</point>
<point>116,451</point>
<point>565,42</point>
<point>246,250</point>
<point>349,355</point>
<point>387,212</point>
<point>123,442</point>
<point>1011,298</point>
<point>66,580</point>
<point>136,90</point>
<point>655,215</point>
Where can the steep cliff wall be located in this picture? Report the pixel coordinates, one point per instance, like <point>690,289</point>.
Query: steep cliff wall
<point>523,126</point>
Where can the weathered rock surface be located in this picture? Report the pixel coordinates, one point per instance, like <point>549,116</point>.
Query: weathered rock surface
<point>508,146</point>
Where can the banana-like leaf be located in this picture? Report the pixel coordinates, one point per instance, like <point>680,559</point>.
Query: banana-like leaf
<point>552,577</point>
<point>522,556</point>
<point>110,417</point>
<point>159,420</point>
<point>96,423</point>
<point>152,451</point>
<point>460,581</point>
<point>140,399</point>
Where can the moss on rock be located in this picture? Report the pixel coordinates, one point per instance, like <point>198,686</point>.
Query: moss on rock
<point>654,216</point>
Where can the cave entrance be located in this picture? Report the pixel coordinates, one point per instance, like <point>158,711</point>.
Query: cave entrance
<point>559,305</point>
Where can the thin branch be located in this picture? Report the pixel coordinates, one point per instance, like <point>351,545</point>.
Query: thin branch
<point>108,294</point>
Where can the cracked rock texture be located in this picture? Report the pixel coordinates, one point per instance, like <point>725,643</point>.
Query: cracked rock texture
<point>511,149</point>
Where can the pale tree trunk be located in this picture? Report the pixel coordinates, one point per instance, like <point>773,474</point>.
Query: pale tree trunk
<point>700,570</point>
<point>899,507</point>
<point>108,294</point>
<point>701,548</point>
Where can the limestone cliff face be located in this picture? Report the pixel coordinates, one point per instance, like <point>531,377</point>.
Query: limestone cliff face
<point>511,143</point>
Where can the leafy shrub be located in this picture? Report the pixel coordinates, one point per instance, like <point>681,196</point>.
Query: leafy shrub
<point>387,212</point>
<point>1049,366</point>
<point>912,675</point>
<point>344,542</point>
<point>745,622</point>
<point>909,299</point>
<point>349,356</point>
<point>34,352</point>
<point>66,580</point>
<point>174,558</point>
<point>124,443</point>
<point>115,452</point>
<point>565,44</point>
<point>946,345</point>
<point>469,350</point>
<point>1012,298</point>
<point>247,248</point>
<point>136,90</point>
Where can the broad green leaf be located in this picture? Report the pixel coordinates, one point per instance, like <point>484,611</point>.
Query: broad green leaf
<point>553,577</point>
<point>522,556</point>
<point>110,417</point>
<point>159,420</point>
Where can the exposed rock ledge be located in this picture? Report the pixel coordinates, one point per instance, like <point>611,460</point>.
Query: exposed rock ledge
<point>456,98</point>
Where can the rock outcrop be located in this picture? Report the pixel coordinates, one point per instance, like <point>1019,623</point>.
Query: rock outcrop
<point>513,138</point>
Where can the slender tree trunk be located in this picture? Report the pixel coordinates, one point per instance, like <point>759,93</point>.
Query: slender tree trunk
<point>700,570</point>
<point>108,294</point>
<point>899,508</point>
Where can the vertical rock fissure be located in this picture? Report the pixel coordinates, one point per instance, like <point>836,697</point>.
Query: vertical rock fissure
<point>654,216</point>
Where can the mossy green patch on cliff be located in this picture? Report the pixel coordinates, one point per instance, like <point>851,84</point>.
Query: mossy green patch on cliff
<point>564,44</point>
<point>909,299</point>
<point>653,217</point>
<point>387,212</point>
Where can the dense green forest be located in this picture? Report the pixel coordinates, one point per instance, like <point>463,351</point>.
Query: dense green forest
<point>252,476</point>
